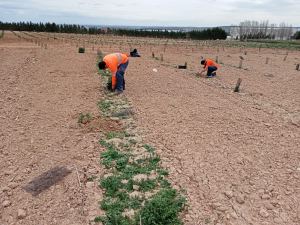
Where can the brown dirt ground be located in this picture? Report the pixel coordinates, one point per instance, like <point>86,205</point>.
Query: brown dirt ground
<point>236,154</point>
<point>42,92</point>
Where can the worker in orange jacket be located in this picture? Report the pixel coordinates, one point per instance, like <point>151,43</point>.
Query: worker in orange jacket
<point>210,66</point>
<point>117,64</point>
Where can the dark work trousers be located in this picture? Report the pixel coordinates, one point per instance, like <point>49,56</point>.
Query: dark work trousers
<point>120,76</point>
<point>211,69</point>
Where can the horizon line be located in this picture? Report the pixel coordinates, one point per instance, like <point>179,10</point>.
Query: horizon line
<point>116,25</point>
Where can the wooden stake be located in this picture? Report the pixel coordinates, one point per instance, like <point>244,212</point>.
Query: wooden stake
<point>267,60</point>
<point>217,59</point>
<point>237,86</point>
<point>78,177</point>
<point>153,55</point>
<point>241,64</point>
<point>297,66</point>
<point>284,59</point>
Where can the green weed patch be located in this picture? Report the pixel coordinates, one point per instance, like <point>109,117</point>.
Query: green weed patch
<point>136,185</point>
<point>84,118</point>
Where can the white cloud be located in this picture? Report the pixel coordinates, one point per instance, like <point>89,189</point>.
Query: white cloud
<point>152,12</point>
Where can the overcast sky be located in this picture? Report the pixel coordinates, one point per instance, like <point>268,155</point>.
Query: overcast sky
<point>151,12</point>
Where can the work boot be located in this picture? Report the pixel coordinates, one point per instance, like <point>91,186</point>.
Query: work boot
<point>118,92</point>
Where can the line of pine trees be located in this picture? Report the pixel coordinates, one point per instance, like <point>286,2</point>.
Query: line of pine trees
<point>207,34</point>
<point>46,27</point>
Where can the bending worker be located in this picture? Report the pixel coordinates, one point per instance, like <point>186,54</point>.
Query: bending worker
<point>210,66</point>
<point>117,64</point>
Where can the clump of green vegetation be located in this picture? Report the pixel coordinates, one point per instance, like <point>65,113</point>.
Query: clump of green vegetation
<point>149,148</point>
<point>112,155</point>
<point>117,134</point>
<point>2,34</point>
<point>84,118</point>
<point>105,105</point>
<point>147,185</point>
<point>160,208</point>
<point>106,73</point>
<point>103,73</point>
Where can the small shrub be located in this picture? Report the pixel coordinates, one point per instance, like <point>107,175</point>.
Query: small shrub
<point>84,118</point>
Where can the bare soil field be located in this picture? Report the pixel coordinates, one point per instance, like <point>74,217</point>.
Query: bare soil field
<point>42,93</point>
<point>236,155</point>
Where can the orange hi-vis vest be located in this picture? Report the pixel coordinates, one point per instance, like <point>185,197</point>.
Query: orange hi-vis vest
<point>209,62</point>
<point>113,61</point>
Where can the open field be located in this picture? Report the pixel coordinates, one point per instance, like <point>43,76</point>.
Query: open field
<point>236,155</point>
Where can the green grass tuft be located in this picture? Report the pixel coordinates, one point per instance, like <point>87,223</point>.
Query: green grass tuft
<point>105,105</point>
<point>149,148</point>
<point>162,209</point>
<point>84,118</point>
<point>111,155</point>
<point>147,185</point>
<point>116,134</point>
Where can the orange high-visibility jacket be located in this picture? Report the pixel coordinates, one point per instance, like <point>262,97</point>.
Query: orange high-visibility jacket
<point>113,61</point>
<point>209,62</point>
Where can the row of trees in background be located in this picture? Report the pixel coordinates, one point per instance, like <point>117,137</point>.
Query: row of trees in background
<point>263,30</point>
<point>297,35</point>
<point>207,34</point>
<point>47,27</point>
